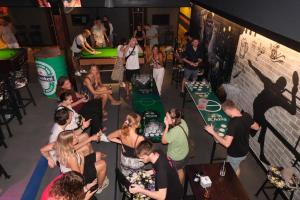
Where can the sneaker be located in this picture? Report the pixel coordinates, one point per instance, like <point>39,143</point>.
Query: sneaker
<point>83,71</point>
<point>77,73</point>
<point>105,184</point>
<point>104,138</point>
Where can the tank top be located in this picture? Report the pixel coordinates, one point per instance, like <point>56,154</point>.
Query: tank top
<point>86,90</point>
<point>65,169</point>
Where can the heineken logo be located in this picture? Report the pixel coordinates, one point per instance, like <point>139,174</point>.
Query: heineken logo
<point>47,77</point>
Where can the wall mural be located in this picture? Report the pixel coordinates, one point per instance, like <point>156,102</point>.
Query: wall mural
<point>269,97</point>
<point>275,56</point>
<point>269,80</point>
<point>219,37</point>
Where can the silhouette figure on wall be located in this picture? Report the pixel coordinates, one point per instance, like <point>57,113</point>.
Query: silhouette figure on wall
<point>269,97</point>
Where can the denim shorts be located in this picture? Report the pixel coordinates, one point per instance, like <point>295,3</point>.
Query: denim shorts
<point>190,73</point>
<point>235,161</point>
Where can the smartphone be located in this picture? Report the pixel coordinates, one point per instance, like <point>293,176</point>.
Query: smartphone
<point>95,187</point>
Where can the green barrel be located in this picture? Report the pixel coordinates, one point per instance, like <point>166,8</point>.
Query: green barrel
<point>50,69</point>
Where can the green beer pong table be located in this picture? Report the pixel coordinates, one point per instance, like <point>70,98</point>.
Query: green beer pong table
<point>103,56</point>
<point>148,102</point>
<point>209,108</point>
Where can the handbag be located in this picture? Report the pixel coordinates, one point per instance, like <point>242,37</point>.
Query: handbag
<point>191,144</point>
<point>118,70</point>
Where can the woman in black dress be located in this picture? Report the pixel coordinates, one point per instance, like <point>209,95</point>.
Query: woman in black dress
<point>140,35</point>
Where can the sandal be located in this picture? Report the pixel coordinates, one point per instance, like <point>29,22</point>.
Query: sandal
<point>116,103</point>
<point>104,185</point>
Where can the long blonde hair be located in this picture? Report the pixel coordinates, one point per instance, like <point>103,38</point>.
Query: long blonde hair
<point>132,121</point>
<point>64,146</point>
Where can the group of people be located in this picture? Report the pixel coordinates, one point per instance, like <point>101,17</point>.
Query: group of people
<point>83,171</point>
<point>128,53</point>
<point>100,35</point>
<point>146,35</point>
<point>70,147</point>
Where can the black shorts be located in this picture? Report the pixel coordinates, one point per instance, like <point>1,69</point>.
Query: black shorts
<point>89,170</point>
<point>180,164</point>
<point>130,72</point>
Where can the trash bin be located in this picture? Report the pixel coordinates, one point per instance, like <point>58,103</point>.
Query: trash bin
<point>51,65</point>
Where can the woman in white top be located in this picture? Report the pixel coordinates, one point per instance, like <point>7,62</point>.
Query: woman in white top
<point>99,35</point>
<point>70,158</point>
<point>156,60</point>
<point>131,53</point>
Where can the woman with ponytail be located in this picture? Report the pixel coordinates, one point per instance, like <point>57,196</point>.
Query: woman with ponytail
<point>128,138</point>
<point>176,136</point>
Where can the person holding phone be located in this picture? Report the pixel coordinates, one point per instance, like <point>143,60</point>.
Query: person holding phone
<point>70,158</point>
<point>69,186</point>
<point>67,100</point>
<point>82,104</point>
<point>168,186</point>
<point>156,61</point>
<point>132,65</point>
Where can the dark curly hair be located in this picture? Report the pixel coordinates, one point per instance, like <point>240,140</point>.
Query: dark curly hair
<point>69,186</point>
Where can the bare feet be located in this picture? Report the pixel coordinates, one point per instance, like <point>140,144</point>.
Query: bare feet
<point>116,103</point>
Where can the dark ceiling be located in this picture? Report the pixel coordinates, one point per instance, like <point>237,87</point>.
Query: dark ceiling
<point>276,19</point>
<point>103,3</point>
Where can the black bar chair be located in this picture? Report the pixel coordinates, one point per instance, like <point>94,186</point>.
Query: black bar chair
<point>4,173</point>
<point>281,191</point>
<point>8,106</point>
<point>20,81</point>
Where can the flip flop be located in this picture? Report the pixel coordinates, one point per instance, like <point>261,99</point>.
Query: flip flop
<point>116,103</point>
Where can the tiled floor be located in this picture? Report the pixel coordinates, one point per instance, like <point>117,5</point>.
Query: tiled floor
<point>23,151</point>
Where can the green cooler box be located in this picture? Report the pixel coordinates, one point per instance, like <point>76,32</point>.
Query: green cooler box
<point>50,69</point>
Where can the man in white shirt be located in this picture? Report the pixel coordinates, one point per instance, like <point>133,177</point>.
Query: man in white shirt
<point>63,121</point>
<point>99,34</point>
<point>151,35</point>
<point>132,65</point>
<point>80,44</point>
